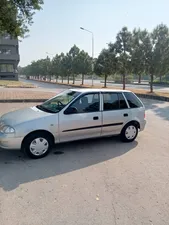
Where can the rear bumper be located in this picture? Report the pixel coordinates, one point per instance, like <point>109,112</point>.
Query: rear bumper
<point>10,142</point>
<point>142,125</point>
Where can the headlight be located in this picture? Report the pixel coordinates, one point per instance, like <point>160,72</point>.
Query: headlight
<point>7,130</point>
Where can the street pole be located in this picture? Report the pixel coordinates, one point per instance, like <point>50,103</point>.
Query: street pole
<point>92,51</point>
<point>92,57</point>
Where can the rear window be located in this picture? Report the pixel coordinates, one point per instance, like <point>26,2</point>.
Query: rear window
<point>132,100</point>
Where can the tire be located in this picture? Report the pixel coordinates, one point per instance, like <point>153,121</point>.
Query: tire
<point>37,145</point>
<point>129,132</point>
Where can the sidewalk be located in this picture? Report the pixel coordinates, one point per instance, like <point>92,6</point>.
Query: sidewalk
<point>24,95</point>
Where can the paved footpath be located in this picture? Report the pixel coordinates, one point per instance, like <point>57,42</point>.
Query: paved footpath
<point>25,93</point>
<point>41,92</point>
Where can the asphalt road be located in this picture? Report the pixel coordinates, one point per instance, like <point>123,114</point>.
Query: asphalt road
<point>41,86</point>
<point>51,87</point>
<point>94,182</point>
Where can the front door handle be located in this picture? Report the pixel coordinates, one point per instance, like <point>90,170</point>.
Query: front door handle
<point>125,115</point>
<point>95,118</point>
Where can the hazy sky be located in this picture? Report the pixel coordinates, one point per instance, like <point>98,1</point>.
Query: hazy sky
<point>56,28</point>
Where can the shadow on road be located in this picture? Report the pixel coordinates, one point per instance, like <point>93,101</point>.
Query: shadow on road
<point>160,108</point>
<point>162,112</point>
<point>16,169</point>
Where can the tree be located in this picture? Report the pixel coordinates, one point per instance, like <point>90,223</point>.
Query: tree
<point>138,55</point>
<point>123,50</point>
<point>156,48</point>
<point>160,39</point>
<point>106,63</point>
<point>26,71</point>
<point>35,69</point>
<point>45,67</point>
<point>66,66</point>
<point>73,54</point>
<point>83,64</point>
<point>56,66</point>
<point>16,15</point>
<point>62,68</point>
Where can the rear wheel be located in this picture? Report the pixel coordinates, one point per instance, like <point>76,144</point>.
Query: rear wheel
<point>129,132</point>
<point>37,145</point>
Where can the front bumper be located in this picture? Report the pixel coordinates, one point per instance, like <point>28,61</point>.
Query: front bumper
<point>9,141</point>
<point>142,125</point>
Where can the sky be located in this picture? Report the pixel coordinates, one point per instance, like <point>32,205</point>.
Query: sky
<point>56,28</point>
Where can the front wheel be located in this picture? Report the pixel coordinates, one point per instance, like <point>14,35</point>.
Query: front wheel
<point>129,133</point>
<point>37,145</point>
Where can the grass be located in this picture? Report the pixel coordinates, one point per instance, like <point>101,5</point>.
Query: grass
<point>15,84</point>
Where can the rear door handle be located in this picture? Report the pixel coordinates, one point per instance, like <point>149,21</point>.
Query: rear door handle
<point>95,118</point>
<point>125,115</point>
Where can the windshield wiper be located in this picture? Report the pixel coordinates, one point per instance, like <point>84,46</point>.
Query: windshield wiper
<point>45,109</point>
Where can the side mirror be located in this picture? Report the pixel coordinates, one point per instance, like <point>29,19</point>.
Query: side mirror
<point>70,110</point>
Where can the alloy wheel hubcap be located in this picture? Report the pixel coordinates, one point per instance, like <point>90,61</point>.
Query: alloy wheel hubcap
<point>39,146</point>
<point>130,132</point>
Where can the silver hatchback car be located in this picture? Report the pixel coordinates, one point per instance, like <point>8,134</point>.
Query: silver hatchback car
<point>72,115</point>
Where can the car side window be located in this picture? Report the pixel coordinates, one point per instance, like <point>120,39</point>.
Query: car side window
<point>132,100</point>
<point>111,101</point>
<point>87,103</point>
<point>114,101</point>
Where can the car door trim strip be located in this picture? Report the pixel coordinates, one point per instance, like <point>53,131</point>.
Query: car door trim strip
<point>92,127</point>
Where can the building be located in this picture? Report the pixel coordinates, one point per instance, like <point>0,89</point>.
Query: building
<point>9,58</point>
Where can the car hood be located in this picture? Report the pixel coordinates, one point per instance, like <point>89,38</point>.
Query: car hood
<point>23,115</point>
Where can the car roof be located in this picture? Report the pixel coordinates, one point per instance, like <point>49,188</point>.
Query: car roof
<point>86,90</point>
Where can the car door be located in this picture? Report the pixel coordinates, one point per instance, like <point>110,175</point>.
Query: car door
<point>116,113</point>
<point>84,121</point>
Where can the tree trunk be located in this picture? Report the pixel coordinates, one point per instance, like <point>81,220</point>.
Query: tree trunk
<point>105,81</point>
<point>139,78</point>
<point>68,79</point>
<point>151,83</point>
<point>160,78</point>
<point>124,81</point>
<point>73,79</point>
<point>56,79</point>
<point>82,79</point>
<point>62,78</point>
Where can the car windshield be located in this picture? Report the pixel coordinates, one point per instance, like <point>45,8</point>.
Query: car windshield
<point>57,103</point>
